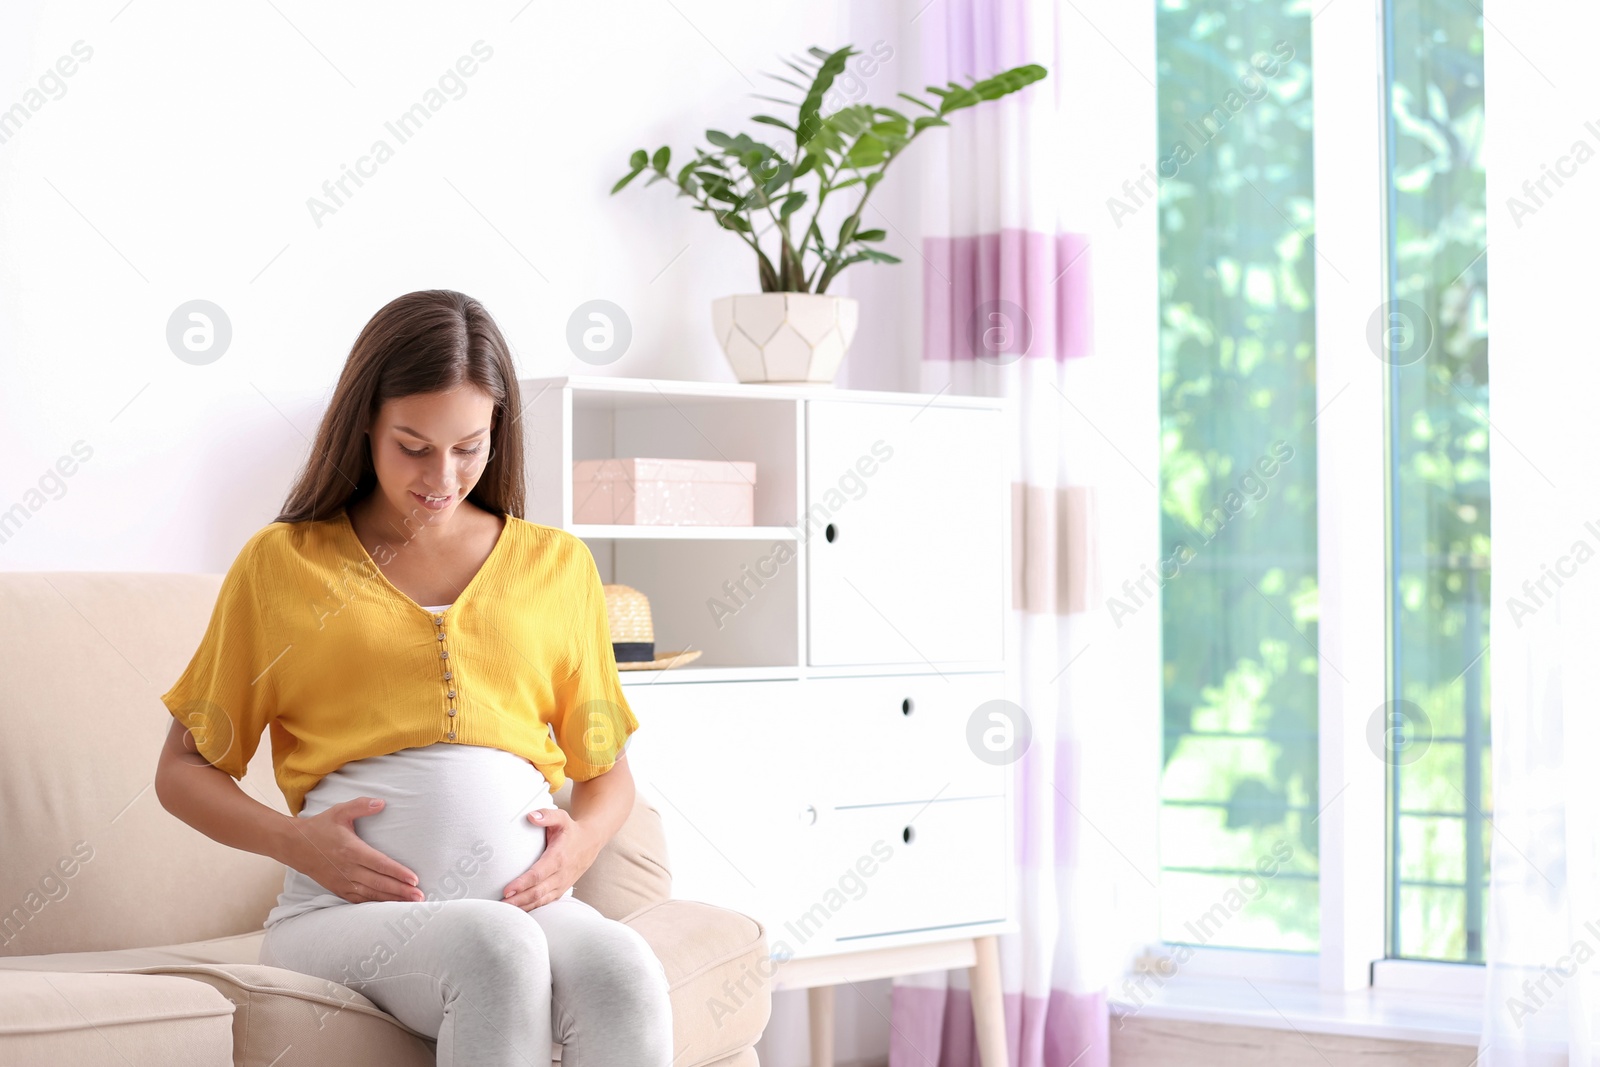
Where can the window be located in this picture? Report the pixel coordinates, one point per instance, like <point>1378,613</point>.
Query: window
<point>1238,476</point>
<point>1438,408</point>
<point>1239,521</point>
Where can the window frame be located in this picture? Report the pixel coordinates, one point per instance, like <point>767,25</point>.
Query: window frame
<point>1353,529</point>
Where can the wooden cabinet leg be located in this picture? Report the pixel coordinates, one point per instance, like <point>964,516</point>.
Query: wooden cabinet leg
<point>819,1004</point>
<point>988,1003</point>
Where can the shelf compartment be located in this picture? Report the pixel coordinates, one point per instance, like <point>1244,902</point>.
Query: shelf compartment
<point>737,601</point>
<point>619,425</point>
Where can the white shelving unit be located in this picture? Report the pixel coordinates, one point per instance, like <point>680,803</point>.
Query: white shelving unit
<point>816,767</point>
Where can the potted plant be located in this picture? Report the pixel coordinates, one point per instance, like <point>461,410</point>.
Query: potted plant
<point>794,330</point>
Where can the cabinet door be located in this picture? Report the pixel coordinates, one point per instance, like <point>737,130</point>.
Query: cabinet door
<point>905,508</point>
<point>709,755</point>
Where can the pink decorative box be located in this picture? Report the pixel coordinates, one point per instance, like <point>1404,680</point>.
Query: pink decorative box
<point>664,492</point>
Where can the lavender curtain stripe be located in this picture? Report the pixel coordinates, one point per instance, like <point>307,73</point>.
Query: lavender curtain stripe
<point>970,279</point>
<point>1049,775</point>
<point>1006,35</point>
<point>916,1038</point>
<point>1077,1031</point>
<point>934,1028</point>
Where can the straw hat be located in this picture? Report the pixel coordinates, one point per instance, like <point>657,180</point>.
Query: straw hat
<point>632,636</point>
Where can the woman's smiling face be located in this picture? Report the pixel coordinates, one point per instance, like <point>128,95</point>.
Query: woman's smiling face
<point>430,449</point>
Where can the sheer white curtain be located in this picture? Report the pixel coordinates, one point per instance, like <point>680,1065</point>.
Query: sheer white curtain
<point>1543,946</point>
<point>1006,307</point>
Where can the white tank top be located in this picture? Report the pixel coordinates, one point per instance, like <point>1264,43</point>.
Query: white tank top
<point>456,814</point>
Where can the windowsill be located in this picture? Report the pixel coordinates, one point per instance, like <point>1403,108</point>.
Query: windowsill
<point>1383,1014</point>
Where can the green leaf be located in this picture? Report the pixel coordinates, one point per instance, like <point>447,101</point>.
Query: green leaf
<point>720,139</point>
<point>868,151</point>
<point>924,121</point>
<point>919,103</point>
<point>639,160</point>
<point>871,235</point>
<point>811,109</point>
<point>662,157</point>
<point>847,229</point>
<point>851,121</point>
<point>791,203</point>
<point>778,179</point>
<point>626,178</point>
<point>955,97</point>
<point>770,121</point>
<point>891,130</point>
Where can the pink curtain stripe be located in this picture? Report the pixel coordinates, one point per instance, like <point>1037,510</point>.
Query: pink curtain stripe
<point>1007,295</point>
<point>933,1028</point>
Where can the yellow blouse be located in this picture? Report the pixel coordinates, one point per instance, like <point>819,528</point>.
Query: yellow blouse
<point>310,639</point>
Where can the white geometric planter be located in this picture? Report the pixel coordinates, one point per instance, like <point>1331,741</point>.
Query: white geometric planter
<point>784,337</point>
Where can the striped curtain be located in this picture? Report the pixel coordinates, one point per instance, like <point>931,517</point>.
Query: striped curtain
<point>1006,307</point>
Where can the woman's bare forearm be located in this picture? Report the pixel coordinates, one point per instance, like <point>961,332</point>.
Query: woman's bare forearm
<point>211,801</point>
<point>604,802</point>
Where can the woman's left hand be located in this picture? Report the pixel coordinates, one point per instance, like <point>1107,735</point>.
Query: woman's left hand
<point>569,850</point>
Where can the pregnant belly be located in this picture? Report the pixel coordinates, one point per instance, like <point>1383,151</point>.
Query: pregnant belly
<point>456,815</point>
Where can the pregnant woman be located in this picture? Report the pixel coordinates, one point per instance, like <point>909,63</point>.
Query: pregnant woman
<point>431,668</point>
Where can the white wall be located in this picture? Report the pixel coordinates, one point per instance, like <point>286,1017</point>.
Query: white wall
<point>177,164</point>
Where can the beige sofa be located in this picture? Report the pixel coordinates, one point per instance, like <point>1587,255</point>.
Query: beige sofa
<point>128,937</point>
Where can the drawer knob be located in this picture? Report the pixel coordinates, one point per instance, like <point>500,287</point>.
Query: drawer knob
<point>808,815</point>
<point>906,706</point>
<point>906,835</point>
<point>828,532</point>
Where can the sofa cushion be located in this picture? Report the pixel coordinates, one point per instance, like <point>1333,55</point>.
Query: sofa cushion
<point>715,963</point>
<point>69,1019</point>
<point>85,656</point>
<point>632,872</point>
<point>280,1017</point>
<point>712,956</point>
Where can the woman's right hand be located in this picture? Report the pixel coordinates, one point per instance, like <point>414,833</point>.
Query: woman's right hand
<point>333,855</point>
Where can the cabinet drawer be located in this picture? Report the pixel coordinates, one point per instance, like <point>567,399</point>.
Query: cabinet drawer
<point>889,739</point>
<point>898,868</point>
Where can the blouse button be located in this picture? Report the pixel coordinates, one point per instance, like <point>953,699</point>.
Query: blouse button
<point>438,618</point>
<point>451,735</point>
<point>444,655</point>
<point>452,711</point>
<point>452,696</point>
<point>447,676</point>
<point>441,637</point>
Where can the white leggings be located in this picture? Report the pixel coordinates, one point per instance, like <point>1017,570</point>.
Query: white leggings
<point>493,984</point>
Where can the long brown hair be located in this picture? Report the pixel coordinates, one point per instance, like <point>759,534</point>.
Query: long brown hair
<point>423,342</point>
